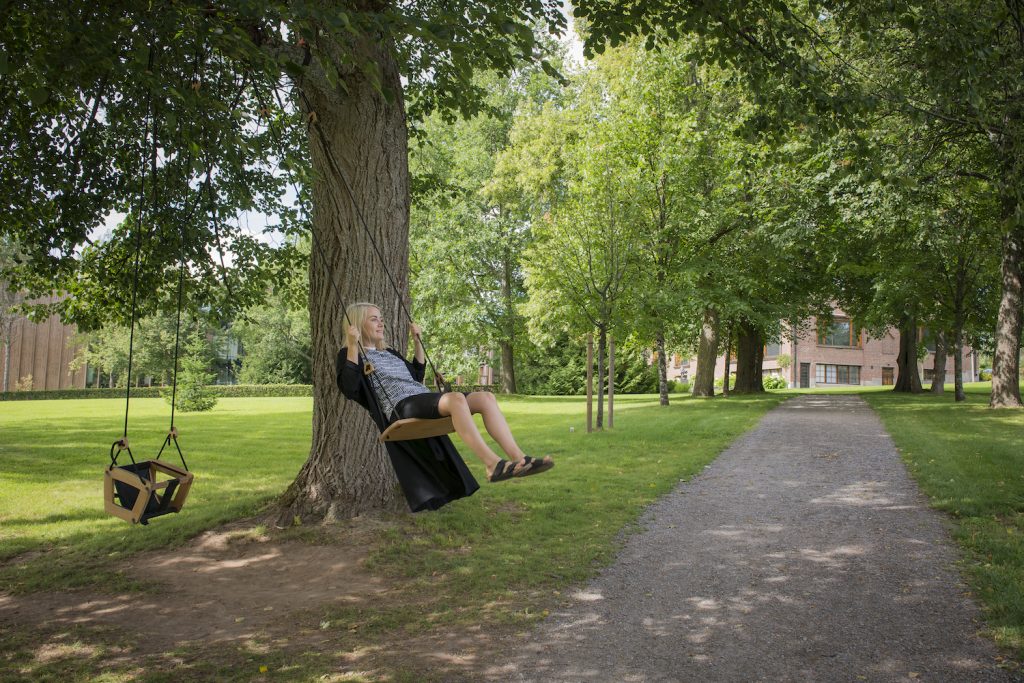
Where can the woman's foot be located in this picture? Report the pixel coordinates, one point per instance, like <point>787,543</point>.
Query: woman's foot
<point>507,469</point>
<point>504,470</point>
<point>537,465</point>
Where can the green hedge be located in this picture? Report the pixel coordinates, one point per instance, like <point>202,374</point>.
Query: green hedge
<point>219,390</point>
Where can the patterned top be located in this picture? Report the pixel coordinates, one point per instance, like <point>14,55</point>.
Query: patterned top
<point>392,381</point>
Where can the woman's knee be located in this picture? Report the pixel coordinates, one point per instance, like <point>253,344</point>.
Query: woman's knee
<point>482,400</point>
<point>452,402</point>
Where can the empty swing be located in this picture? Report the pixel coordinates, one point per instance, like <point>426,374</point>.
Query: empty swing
<point>143,490</point>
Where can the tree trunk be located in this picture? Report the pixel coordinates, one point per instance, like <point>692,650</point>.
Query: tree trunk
<point>1006,360</point>
<point>659,343</point>
<point>727,377</point>
<point>908,379</point>
<point>939,364</point>
<point>7,366</point>
<point>707,355</point>
<point>749,358</point>
<point>348,472</point>
<point>958,364</point>
<point>611,381</point>
<point>590,383</point>
<point>602,341</point>
<point>508,369</point>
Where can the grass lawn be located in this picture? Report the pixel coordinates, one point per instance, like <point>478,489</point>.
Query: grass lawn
<point>494,560</point>
<point>969,460</point>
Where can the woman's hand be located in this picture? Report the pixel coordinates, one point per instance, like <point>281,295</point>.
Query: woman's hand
<point>353,336</point>
<point>415,331</point>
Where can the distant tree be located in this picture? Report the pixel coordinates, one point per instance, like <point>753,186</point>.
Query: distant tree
<point>275,343</point>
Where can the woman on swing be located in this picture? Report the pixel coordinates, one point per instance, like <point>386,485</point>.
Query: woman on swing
<point>404,395</point>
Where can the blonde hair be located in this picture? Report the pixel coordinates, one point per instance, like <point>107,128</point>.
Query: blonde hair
<point>356,315</point>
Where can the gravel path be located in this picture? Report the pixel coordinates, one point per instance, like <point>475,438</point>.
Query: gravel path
<point>803,553</point>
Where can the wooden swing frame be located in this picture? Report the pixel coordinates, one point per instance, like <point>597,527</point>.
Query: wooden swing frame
<point>416,428</point>
<point>149,489</point>
<point>411,428</point>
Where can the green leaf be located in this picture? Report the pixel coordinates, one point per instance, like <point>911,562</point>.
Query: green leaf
<point>4,66</point>
<point>293,69</point>
<point>38,96</point>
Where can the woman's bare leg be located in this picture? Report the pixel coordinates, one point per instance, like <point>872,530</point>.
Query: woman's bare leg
<point>486,404</point>
<point>483,402</point>
<point>456,405</point>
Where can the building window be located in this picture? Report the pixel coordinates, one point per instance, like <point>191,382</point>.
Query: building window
<point>837,374</point>
<point>771,350</point>
<point>840,333</point>
<point>929,374</point>
<point>928,337</point>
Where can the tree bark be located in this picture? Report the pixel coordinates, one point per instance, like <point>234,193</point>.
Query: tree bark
<point>749,359</point>
<point>908,379</point>
<point>611,381</point>
<point>7,366</point>
<point>958,365</point>
<point>508,371</point>
<point>939,364</point>
<point>707,355</point>
<point>348,472</point>
<point>726,375</point>
<point>659,343</point>
<point>602,342</point>
<point>590,383</point>
<point>1006,360</point>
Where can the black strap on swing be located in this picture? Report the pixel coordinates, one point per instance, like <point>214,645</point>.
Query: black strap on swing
<point>397,430</point>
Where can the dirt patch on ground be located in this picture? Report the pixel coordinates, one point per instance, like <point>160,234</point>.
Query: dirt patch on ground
<point>233,595</point>
<point>236,593</point>
<point>228,585</point>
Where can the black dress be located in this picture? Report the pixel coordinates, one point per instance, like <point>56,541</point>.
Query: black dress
<point>430,471</point>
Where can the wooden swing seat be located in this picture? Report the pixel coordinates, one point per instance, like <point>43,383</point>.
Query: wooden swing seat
<point>413,428</point>
<point>135,494</point>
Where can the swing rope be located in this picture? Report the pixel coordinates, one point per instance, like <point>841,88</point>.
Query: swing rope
<point>336,170</point>
<point>368,367</point>
<point>123,442</point>
<point>149,149</point>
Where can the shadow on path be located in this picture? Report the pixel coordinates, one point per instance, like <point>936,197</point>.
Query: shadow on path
<point>803,553</point>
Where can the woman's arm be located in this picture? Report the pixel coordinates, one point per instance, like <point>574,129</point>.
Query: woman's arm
<point>418,353</point>
<point>349,377</point>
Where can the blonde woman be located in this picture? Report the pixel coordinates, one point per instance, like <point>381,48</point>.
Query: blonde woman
<point>397,392</point>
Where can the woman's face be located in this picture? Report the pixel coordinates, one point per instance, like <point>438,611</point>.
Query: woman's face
<point>373,327</point>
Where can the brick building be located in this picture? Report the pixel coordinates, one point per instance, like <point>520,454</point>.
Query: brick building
<point>842,355</point>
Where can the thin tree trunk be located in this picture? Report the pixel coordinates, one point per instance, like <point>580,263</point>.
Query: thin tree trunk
<point>611,381</point>
<point>602,342</point>
<point>749,359</point>
<point>728,362</point>
<point>939,364</point>
<point>590,383</point>
<point>508,371</point>
<point>958,364</point>
<point>707,355</point>
<point>908,379</point>
<point>348,472</point>
<point>659,342</point>
<point>7,366</point>
<point>1006,360</point>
